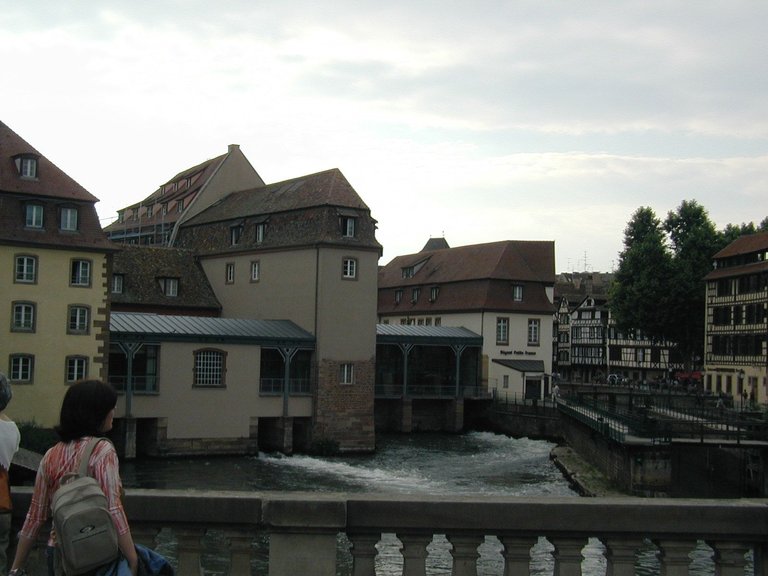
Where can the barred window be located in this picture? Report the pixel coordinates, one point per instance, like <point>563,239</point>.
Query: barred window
<point>210,367</point>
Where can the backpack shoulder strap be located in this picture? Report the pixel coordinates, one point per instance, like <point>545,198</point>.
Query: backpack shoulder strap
<point>86,457</point>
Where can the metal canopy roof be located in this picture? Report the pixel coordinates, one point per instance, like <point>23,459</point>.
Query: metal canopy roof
<point>128,326</point>
<point>444,335</point>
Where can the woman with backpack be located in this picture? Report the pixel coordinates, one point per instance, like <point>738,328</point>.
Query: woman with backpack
<point>86,412</point>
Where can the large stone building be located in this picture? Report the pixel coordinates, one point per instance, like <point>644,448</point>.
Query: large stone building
<point>55,261</point>
<point>502,291</point>
<point>302,252</point>
<point>736,347</point>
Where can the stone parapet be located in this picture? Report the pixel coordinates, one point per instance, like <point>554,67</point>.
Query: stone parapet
<point>299,533</point>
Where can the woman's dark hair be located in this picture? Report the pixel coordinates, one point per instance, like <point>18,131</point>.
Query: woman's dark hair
<point>85,406</point>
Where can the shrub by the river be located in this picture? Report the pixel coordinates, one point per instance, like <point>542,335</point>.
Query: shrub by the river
<point>36,438</point>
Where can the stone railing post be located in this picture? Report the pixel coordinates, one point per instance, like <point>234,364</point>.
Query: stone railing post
<point>620,556</point>
<point>730,558</point>
<point>364,553</point>
<point>517,554</point>
<point>465,554</point>
<point>675,557</point>
<point>414,552</point>
<point>240,545</point>
<point>303,530</point>
<point>189,547</point>
<point>567,555</point>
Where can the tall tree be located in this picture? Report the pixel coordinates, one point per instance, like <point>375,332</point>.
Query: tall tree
<point>693,240</point>
<point>640,289</point>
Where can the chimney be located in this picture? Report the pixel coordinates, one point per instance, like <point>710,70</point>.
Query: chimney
<point>233,147</point>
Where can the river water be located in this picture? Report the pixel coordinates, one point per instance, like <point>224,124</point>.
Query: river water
<point>468,464</point>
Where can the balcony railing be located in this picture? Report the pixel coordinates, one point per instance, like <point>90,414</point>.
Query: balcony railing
<point>275,386</point>
<point>241,533</point>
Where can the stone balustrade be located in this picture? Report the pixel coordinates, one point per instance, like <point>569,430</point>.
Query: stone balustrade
<point>289,533</point>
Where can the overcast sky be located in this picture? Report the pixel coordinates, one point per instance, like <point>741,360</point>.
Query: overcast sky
<point>480,121</point>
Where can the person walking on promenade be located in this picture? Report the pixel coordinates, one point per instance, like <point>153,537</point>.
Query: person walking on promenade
<point>87,411</point>
<point>9,445</point>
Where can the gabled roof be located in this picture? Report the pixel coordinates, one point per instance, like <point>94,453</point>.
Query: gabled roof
<point>514,260</point>
<point>127,326</point>
<point>51,182</point>
<point>143,266</point>
<point>746,244</point>
<point>329,188</point>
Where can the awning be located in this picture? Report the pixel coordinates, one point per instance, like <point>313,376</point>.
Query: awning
<point>527,366</point>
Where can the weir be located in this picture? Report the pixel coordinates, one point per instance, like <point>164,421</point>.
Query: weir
<point>302,531</point>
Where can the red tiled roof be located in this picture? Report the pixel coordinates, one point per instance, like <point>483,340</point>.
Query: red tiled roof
<point>52,181</point>
<point>745,245</point>
<point>518,260</point>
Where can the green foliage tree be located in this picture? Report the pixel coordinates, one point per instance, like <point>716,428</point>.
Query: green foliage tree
<point>659,284</point>
<point>644,272</point>
<point>693,241</point>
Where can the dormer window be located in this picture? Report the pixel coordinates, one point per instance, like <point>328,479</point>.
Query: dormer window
<point>68,219</point>
<point>348,226</point>
<point>261,232</point>
<point>517,292</point>
<point>433,293</point>
<point>33,216</point>
<point>408,272</point>
<point>235,233</point>
<point>26,164</point>
<point>169,286</point>
<point>117,283</point>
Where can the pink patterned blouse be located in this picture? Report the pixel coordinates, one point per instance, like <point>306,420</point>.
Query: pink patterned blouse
<point>62,459</point>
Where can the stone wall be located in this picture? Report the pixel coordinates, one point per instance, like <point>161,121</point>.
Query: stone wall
<point>344,412</point>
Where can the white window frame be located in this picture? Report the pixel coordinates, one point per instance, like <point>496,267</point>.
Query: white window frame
<point>210,368</point>
<point>22,368</point>
<point>348,226</point>
<point>349,268</point>
<point>502,330</point>
<point>517,292</point>
<point>25,269</point>
<point>80,273</point>
<point>23,316</point>
<point>33,215</point>
<point>76,368</point>
<point>534,332</point>
<point>229,273</point>
<point>415,293</point>
<point>255,270</point>
<point>118,282</point>
<point>261,232</point>
<point>346,373</point>
<point>28,168</point>
<point>69,219</point>
<point>78,319</point>
<point>235,233</point>
<point>170,286</point>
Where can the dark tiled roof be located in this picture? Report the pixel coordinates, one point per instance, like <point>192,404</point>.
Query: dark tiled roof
<point>329,188</point>
<point>133,325</point>
<point>742,270</point>
<point>396,333</point>
<point>435,244</point>
<point>52,182</point>
<point>52,189</point>
<point>745,245</point>
<point>143,266</point>
<point>514,260</point>
<point>523,365</point>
